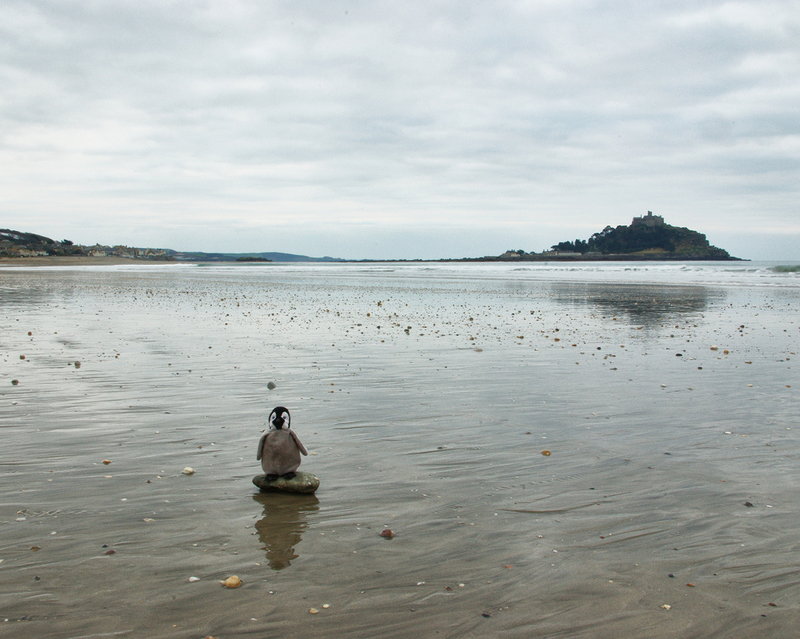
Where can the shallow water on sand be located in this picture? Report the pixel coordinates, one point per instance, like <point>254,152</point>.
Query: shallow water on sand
<point>425,398</point>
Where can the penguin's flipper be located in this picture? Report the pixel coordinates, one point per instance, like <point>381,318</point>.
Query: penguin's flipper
<point>260,446</point>
<point>298,442</point>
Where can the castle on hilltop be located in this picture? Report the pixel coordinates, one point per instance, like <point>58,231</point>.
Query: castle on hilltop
<point>649,220</point>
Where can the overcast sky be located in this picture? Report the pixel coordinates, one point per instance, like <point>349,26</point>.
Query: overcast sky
<point>416,129</point>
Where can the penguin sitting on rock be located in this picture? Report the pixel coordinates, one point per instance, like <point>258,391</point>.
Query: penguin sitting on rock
<point>279,448</point>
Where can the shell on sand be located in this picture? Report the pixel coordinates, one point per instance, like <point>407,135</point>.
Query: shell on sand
<point>304,483</point>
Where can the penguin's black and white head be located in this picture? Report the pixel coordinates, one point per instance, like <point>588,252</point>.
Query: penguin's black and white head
<point>280,417</point>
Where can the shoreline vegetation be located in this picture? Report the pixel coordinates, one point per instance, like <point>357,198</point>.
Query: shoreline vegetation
<point>647,238</point>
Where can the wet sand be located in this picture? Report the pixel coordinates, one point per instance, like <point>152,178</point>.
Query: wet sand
<point>666,508</point>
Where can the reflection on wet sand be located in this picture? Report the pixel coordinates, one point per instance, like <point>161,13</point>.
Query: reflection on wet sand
<point>429,405</point>
<point>643,304</point>
<point>281,528</point>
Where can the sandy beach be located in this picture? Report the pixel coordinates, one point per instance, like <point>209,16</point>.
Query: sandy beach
<point>556,457</point>
<point>70,260</point>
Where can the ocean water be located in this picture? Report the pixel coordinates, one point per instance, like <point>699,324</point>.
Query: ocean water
<point>666,395</point>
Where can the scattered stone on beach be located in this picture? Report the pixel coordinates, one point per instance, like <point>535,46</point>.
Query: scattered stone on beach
<point>22,357</point>
<point>313,611</point>
<point>748,504</point>
<point>188,471</point>
<point>232,582</point>
<point>15,382</point>
<point>272,385</point>
<point>77,364</point>
<point>546,453</point>
<point>106,462</point>
<point>665,606</point>
<point>387,533</point>
<point>192,580</point>
<point>303,483</point>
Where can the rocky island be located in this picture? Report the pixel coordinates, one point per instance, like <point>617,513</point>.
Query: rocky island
<point>648,237</point>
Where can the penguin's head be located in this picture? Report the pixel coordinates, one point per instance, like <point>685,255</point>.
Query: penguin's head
<point>280,416</point>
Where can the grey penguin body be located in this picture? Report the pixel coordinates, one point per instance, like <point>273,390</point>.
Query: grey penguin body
<point>279,450</point>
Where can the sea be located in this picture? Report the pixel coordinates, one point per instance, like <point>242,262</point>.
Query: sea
<point>560,449</point>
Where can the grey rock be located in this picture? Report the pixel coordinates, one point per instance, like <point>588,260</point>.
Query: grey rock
<point>305,483</point>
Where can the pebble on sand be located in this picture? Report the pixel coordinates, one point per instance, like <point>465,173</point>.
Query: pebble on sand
<point>106,461</point>
<point>272,385</point>
<point>387,533</point>
<point>546,453</point>
<point>188,471</point>
<point>14,382</point>
<point>232,582</point>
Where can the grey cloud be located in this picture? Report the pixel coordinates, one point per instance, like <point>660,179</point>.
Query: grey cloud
<point>429,112</point>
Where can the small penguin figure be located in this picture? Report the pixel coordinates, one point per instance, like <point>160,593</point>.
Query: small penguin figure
<point>279,449</point>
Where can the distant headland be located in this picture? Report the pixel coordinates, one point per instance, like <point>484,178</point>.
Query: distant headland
<point>647,237</point>
<point>18,244</point>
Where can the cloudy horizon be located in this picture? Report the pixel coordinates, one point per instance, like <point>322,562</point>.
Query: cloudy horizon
<point>373,130</point>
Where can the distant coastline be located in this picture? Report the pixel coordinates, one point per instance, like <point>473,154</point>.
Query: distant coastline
<point>648,238</point>
<point>83,260</point>
<point>70,260</point>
